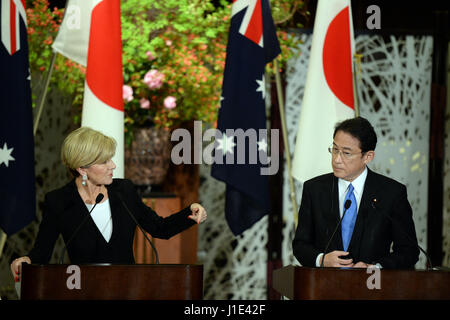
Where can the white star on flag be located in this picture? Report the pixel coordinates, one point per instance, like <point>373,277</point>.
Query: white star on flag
<point>262,86</point>
<point>226,144</point>
<point>262,145</point>
<point>5,155</point>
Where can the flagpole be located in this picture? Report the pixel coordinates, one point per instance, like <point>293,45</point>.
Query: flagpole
<point>357,57</point>
<point>285,139</point>
<point>44,94</point>
<point>3,237</point>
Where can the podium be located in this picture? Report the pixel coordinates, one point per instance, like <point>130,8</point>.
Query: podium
<point>111,282</point>
<point>300,283</point>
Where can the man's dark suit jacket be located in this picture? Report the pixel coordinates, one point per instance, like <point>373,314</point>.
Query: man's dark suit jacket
<point>64,210</point>
<point>373,233</point>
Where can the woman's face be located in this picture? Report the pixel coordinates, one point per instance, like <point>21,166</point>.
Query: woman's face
<point>101,173</point>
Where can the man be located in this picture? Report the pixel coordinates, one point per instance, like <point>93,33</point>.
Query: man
<point>377,211</point>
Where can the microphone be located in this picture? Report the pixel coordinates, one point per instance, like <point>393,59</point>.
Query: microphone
<point>97,200</point>
<point>347,205</point>
<point>374,205</point>
<point>140,228</point>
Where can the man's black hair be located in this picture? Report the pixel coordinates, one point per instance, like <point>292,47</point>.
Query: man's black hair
<point>361,129</point>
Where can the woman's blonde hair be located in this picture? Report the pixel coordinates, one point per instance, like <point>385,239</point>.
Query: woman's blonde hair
<point>84,147</point>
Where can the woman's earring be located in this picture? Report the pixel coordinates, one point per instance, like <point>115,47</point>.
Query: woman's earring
<point>84,180</point>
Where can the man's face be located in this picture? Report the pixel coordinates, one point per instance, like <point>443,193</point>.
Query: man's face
<point>347,159</point>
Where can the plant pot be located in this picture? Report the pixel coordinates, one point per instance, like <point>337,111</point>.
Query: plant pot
<point>147,159</point>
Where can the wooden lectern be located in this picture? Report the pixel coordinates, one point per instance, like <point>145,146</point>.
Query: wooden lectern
<point>112,282</point>
<point>299,283</point>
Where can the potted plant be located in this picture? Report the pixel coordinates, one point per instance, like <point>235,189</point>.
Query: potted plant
<point>173,62</point>
<point>174,55</point>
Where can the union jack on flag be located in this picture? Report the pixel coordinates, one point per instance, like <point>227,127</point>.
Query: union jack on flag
<point>251,25</point>
<point>17,182</point>
<point>10,31</point>
<point>252,43</point>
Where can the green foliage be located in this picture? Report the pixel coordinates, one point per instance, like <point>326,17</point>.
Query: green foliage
<point>43,25</point>
<point>183,42</point>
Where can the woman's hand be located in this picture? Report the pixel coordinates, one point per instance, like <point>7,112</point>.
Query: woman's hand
<point>198,213</point>
<point>16,266</point>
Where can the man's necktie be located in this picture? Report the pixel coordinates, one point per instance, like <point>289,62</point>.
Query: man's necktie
<point>348,223</point>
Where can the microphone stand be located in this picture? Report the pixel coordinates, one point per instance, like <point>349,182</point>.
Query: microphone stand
<point>347,205</point>
<point>97,200</point>
<point>140,228</point>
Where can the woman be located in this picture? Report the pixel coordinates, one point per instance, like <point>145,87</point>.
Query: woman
<point>107,235</point>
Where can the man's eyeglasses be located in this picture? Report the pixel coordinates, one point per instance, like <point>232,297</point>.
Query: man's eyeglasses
<point>344,154</point>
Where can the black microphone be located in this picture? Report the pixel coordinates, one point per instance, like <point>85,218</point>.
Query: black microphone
<point>374,203</point>
<point>347,205</point>
<point>97,200</point>
<point>142,230</point>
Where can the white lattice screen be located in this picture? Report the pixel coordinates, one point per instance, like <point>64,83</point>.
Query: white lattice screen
<point>394,93</point>
<point>394,89</point>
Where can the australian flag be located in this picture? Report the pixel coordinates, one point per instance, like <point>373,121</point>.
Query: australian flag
<point>17,189</point>
<point>252,43</point>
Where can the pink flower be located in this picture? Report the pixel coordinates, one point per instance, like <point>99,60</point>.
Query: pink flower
<point>170,102</point>
<point>145,103</point>
<point>150,56</point>
<point>154,79</point>
<point>168,43</point>
<point>127,93</point>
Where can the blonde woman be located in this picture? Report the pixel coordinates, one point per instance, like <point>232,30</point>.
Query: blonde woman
<point>107,235</point>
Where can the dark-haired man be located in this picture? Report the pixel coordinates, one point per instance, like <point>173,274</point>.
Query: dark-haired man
<point>377,228</point>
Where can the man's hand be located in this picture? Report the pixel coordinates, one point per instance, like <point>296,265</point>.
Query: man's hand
<point>332,260</point>
<point>364,265</point>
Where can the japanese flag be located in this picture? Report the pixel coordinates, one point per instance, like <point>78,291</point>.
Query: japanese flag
<point>328,96</point>
<point>90,34</point>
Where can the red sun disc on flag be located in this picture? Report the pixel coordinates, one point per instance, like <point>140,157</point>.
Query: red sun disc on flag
<point>337,58</point>
<point>104,71</point>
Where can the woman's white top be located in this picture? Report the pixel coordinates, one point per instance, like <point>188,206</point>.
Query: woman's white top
<point>102,218</point>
